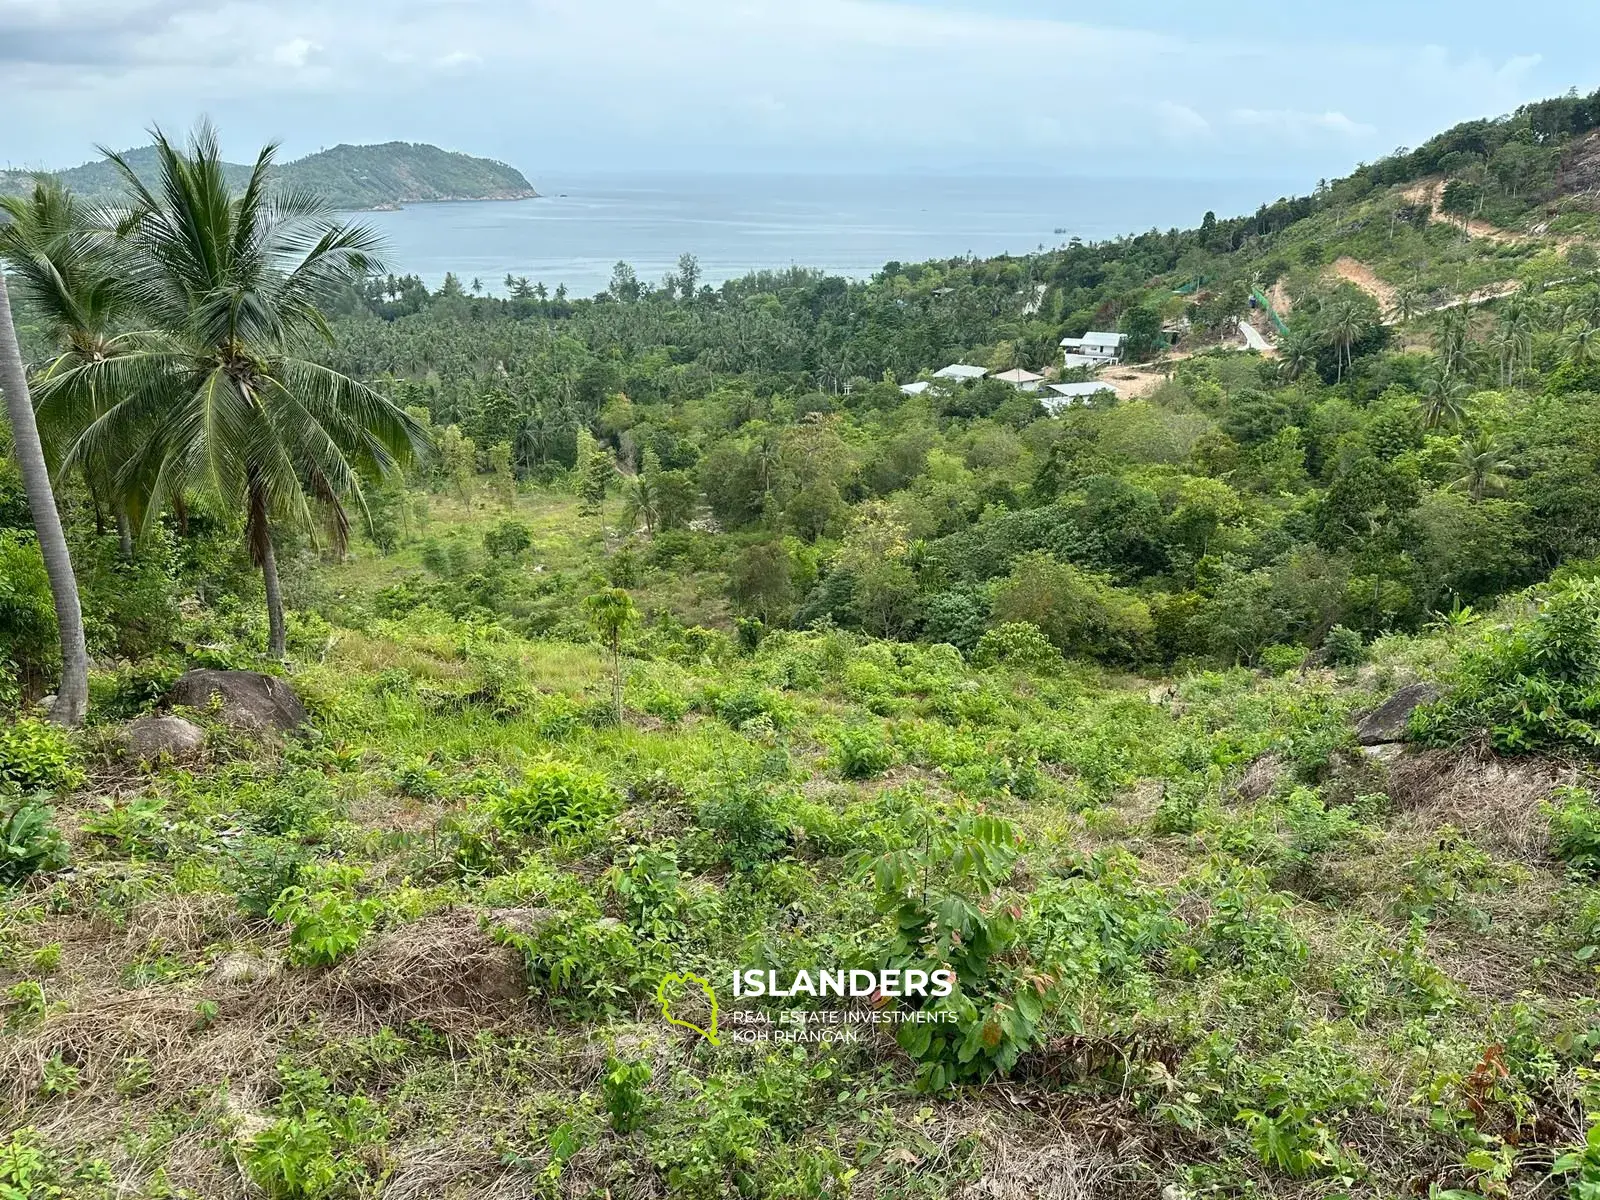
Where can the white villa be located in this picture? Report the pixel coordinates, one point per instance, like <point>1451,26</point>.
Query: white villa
<point>1093,349</point>
<point>915,389</point>
<point>1023,381</point>
<point>1065,395</point>
<point>961,371</point>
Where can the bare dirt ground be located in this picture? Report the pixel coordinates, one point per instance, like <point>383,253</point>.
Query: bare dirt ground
<point>1281,302</point>
<point>1363,277</point>
<point>1431,191</point>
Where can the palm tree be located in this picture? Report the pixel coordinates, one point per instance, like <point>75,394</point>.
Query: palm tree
<point>1297,354</point>
<point>1482,466</point>
<point>62,255</point>
<point>1444,400</point>
<point>1453,339</point>
<point>218,397</point>
<point>1583,344</point>
<point>1343,329</point>
<point>72,695</point>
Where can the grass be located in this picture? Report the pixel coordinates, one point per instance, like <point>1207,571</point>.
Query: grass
<point>1269,965</point>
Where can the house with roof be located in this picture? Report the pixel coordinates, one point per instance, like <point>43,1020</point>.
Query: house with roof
<point>1023,381</point>
<point>1093,349</point>
<point>915,389</point>
<point>961,372</point>
<point>1066,395</point>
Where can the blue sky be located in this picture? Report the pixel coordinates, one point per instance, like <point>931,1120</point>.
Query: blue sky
<point>1287,92</point>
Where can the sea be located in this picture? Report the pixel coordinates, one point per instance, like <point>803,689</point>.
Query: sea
<point>582,225</point>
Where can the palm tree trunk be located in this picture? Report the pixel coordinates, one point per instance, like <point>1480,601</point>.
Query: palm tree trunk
<point>124,533</point>
<point>258,531</point>
<point>72,696</point>
<point>277,636</point>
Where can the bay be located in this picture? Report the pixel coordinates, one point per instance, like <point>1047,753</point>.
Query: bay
<point>851,225</point>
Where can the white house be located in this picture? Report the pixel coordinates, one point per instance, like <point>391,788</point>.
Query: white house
<point>1023,381</point>
<point>917,388</point>
<point>960,371</point>
<point>1065,395</point>
<point>1093,349</point>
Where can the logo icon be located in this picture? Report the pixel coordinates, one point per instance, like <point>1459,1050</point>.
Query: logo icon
<point>684,989</point>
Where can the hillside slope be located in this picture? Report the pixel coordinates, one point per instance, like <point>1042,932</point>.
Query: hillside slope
<point>351,177</point>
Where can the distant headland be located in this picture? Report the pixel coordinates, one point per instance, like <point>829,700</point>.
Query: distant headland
<point>352,178</point>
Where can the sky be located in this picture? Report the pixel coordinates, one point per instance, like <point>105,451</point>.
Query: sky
<point>1296,90</point>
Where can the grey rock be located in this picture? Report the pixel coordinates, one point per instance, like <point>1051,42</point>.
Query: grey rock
<point>1387,723</point>
<point>149,738</point>
<point>248,700</point>
<point>1384,753</point>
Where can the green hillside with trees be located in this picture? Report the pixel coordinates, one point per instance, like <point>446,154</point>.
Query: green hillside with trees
<point>351,178</point>
<point>409,700</point>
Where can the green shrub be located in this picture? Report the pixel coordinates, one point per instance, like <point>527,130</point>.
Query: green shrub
<point>1575,829</point>
<point>1534,685</point>
<point>132,688</point>
<point>29,649</point>
<point>670,706</point>
<point>624,1085</point>
<point>24,1171</point>
<point>939,896</point>
<point>746,826</point>
<point>861,751</point>
<point>508,539</point>
<point>314,1148</point>
<point>38,756</point>
<point>556,798</point>
<point>1018,644</point>
<point>258,869</point>
<point>29,840</point>
<point>1279,659</point>
<point>1344,647</point>
<point>326,919</point>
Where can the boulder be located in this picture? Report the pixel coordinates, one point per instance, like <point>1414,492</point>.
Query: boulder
<point>248,700</point>
<point>1387,723</point>
<point>151,738</point>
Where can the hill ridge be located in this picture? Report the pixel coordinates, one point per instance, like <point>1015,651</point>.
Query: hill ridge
<point>353,177</point>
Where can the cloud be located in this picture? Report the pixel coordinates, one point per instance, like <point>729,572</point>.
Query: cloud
<point>734,82</point>
<point>294,53</point>
<point>1300,125</point>
<point>1179,121</point>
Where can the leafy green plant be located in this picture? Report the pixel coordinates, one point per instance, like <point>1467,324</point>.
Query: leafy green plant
<point>29,840</point>
<point>1343,647</point>
<point>1532,685</point>
<point>1575,829</point>
<point>314,1148</point>
<point>326,919</point>
<point>25,1172</point>
<point>862,751</point>
<point>624,1085</point>
<point>258,869</point>
<point>133,827</point>
<point>746,825</point>
<point>939,896</point>
<point>647,882</point>
<point>38,756</point>
<point>556,798</point>
<point>1018,644</point>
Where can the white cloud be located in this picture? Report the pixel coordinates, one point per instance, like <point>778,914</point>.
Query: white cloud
<point>294,53</point>
<point>1179,121</point>
<point>741,82</point>
<point>1300,124</point>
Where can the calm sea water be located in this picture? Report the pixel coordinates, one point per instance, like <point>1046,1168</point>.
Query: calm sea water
<point>848,225</point>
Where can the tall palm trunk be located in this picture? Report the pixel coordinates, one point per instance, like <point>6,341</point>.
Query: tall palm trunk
<point>259,532</point>
<point>72,696</point>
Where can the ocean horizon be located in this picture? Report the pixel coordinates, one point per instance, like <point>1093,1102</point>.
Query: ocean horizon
<point>583,224</point>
